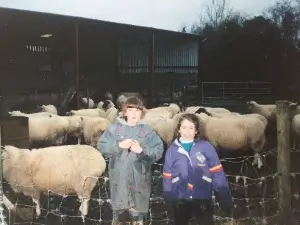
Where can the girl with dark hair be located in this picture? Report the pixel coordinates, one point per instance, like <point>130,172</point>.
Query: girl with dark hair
<point>192,170</point>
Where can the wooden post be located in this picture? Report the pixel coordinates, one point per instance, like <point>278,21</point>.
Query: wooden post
<point>283,161</point>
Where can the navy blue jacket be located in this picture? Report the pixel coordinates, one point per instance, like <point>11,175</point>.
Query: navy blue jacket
<point>195,175</point>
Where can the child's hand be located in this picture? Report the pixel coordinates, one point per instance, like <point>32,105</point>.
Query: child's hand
<point>125,144</point>
<point>136,147</point>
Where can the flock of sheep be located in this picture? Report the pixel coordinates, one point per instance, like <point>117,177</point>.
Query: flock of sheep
<point>64,168</point>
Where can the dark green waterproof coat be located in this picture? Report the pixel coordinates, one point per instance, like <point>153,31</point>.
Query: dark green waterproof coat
<point>129,172</point>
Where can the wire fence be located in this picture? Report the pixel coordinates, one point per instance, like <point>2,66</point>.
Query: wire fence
<point>254,191</point>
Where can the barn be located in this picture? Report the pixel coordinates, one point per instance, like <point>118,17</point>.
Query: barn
<point>49,54</point>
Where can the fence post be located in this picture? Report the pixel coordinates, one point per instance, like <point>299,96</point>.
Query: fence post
<point>283,161</point>
<point>2,218</point>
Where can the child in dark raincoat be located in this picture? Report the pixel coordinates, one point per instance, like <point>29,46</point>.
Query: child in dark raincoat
<point>131,146</point>
<point>192,170</point>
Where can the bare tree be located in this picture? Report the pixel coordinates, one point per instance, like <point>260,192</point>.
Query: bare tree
<point>213,14</point>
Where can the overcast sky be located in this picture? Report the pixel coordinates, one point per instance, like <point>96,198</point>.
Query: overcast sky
<point>164,14</point>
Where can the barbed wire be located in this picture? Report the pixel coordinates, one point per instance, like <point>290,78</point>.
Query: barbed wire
<point>254,192</point>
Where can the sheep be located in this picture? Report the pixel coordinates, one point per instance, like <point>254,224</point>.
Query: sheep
<point>112,114</point>
<point>89,103</point>
<point>48,130</point>
<point>159,113</point>
<point>107,104</point>
<point>48,108</point>
<point>63,170</point>
<point>165,128</point>
<point>212,110</point>
<point>75,126</point>
<point>233,114</point>
<point>235,133</point>
<point>121,101</point>
<point>199,109</point>
<point>38,114</point>
<point>268,111</point>
<point>173,109</point>
<point>88,112</point>
<point>93,128</point>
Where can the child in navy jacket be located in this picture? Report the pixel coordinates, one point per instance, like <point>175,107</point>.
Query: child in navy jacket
<point>192,170</point>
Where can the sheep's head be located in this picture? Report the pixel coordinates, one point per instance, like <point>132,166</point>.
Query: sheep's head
<point>175,108</point>
<point>71,113</point>
<point>107,104</point>
<point>15,113</point>
<point>203,110</point>
<point>251,104</point>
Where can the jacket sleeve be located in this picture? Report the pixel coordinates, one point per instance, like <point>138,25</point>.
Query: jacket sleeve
<point>153,148</point>
<point>167,176</point>
<point>108,145</point>
<point>219,180</point>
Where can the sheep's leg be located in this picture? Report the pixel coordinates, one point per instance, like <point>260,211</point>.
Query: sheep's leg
<point>257,160</point>
<point>79,140</point>
<point>84,207</point>
<point>37,207</point>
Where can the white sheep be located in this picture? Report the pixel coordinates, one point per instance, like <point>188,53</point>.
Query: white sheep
<point>75,126</point>
<point>48,130</point>
<point>226,115</point>
<point>173,109</point>
<point>38,114</point>
<point>235,133</point>
<point>93,128</point>
<point>49,108</point>
<point>199,109</point>
<point>165,128</point>
<point>158,113</point>
<point>87,103</point>
<point>63,170</point>
<point>268,111</point>
<point>107,104</point>
<point>112,114</point>
<point>88,112</point>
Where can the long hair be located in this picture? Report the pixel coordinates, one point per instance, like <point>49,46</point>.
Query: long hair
<point>192,118</point>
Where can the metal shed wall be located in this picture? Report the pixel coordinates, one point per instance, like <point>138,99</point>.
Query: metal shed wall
<point>171,55</point>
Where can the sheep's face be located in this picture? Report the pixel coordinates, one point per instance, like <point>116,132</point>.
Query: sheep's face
<point>15,113</point>
<point>175,107</point>
<point>251,104</point>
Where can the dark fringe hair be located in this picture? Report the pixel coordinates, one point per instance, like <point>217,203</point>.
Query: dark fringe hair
<point>134,102</point>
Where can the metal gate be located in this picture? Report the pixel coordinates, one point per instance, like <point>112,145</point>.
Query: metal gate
<point>234,93</point>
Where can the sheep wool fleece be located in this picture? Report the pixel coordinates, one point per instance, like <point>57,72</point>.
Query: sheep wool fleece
<point>130,173</point>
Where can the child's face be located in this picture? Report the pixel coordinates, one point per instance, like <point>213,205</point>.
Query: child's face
<point>133,115</point>
<point>187,130</point>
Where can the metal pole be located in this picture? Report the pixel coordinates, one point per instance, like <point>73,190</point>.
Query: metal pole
<point>2,219</point>
<point>77,65</point>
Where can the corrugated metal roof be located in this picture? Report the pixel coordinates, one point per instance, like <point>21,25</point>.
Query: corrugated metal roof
<point>4,10</point>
